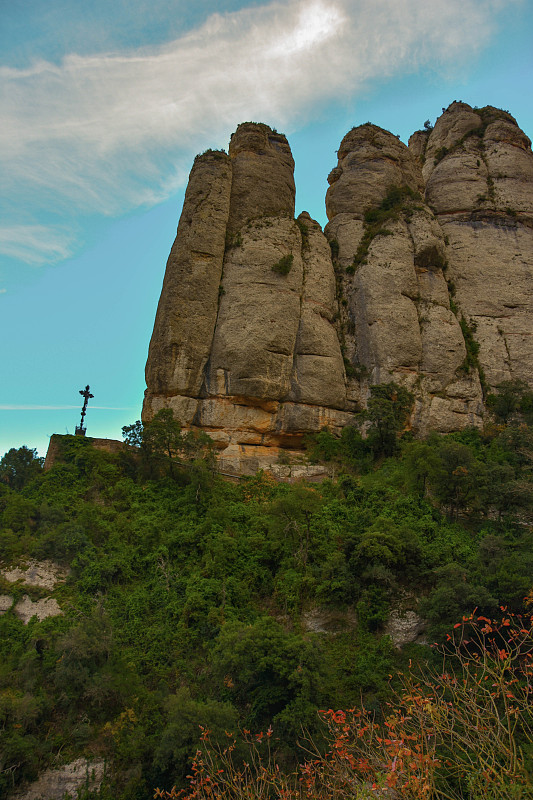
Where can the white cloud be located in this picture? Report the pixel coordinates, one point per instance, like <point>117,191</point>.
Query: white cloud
<point>105,133</point>
<point>29,407</point>
<point>35,244</point>
<point>3,291</point>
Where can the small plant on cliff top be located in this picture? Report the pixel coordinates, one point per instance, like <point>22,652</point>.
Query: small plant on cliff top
<point>283,266</point>
<point>218,155</point>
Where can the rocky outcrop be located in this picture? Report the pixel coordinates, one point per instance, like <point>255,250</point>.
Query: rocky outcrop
<point>37,574</point>
<point>26,608</point>
<point>41,574</point>
<point>405,627</point>
<point>65,782</point>
<point>245,347</point>
<point>268,329</point>
<point>390,256</point>
<point>6,602</point>
<point>478,170</point>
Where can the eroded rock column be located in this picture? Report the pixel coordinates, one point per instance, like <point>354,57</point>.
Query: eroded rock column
<point>478,168</point>
<point>268,368</point>
<point>188,306</point>
<point>390,254</point>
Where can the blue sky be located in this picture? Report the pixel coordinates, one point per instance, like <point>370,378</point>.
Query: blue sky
<point>104,105</point>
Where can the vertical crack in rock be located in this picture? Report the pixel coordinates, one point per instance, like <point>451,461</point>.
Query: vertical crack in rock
<point>318,375</point>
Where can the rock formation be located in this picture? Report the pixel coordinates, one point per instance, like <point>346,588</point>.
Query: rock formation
<point>268,329</point>
<point>69,780</point>
<point>244,343</point>
<point>478,171</point>
<point>391,255</point>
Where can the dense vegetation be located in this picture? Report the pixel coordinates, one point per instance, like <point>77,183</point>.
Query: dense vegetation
<point>462,732</point>
<point>189,598</point>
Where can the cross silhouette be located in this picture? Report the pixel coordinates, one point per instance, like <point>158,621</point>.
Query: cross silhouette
<point>86,394</point>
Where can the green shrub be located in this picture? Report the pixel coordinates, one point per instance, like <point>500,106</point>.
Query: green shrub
<point>304,232</point>
<point>283,266</point>
<point>334,247</point>
<point>440,154</point>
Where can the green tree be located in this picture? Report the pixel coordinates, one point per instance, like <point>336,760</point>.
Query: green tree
<point>179,738</point>
<point>133,434</point>
<point>454,479</point>
<point>389,408</point>
<point>163,447</point>
<point>421,461</point>
<point>508,399</point>
<point>295,512</point>
<point>18,467</point>
<point>265,670</point>
<point>498,489</point>
<point>162,440</point>
<point>454,595</point>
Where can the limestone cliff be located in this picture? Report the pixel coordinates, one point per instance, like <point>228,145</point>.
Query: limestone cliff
<point>478,170</point>
<point>268,329</point>
<point>391,255</point>
<point>244,343</point>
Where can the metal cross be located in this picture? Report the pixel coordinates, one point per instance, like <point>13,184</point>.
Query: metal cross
<point>86,394</point>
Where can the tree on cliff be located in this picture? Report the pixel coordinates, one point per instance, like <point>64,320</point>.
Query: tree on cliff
<point>388,411</point>
<point>513,399</point>
<point>162,445</point>
<point>17,467</point>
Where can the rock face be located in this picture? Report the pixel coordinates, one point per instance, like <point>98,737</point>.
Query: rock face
<point>37,574</point>
<point>66,781</point>
<point>268,329</point>
<point>405,627</point>
<point>391,253</point>
<point>478,169</point>
<point>43,574</point>
<point>27,608</point>
<point>244,343</point>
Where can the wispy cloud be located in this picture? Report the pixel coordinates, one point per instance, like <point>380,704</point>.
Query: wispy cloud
<point>29,407</point>
<point>105,133</point>
<point>35,244</point>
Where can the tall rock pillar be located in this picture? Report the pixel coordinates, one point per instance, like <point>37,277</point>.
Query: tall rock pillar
<point>188,307</point>
<point>390,256</point>
<point>478,169</point>
<point>245,345</point>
